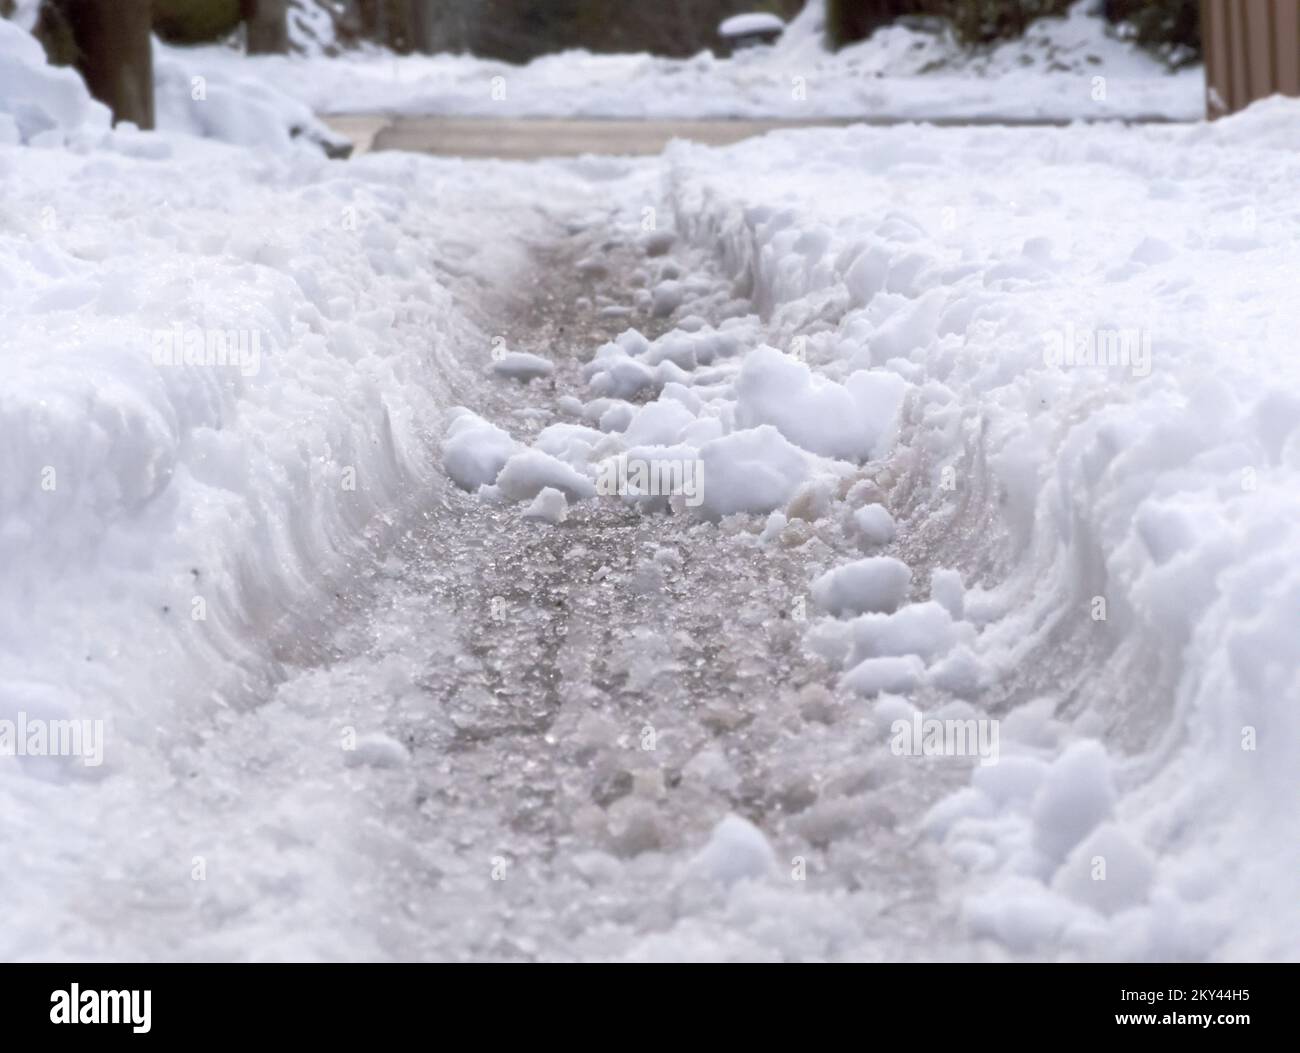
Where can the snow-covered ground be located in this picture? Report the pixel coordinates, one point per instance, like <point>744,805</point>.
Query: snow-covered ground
<point>221,368</point>
<point>1063,69</point>
<point>1099,432</point>
<point>304,495</point>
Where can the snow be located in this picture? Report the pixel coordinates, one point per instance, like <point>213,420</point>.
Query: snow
<point>1076,795</point>
<point>946,587</point>
<point>50,105</point>
<point>1065,68</point>
<point>527,473</point>
<point>874,675</point>
<point>26,13</point>
<point>923,629</point>
<point>167,506</point>
<point>227,104</point>
<point>846,421</point>
<point>550,505</point>
<point>875,524</point>
<point>1106,872</point>
<point>659,423</point>
<point>41,103</point>
<point>752,470</point>
<point>666,297</point>
<point>614,373</point>
<point>376,750</point>
<point>311,28</point>
<point>474,451</point>
<point>753,22</point>
<point>657,242</point>
<point>877,583</point>
<point>520,365</point>
<point>234,376</point>
<point>736,851</point>
<point>1156,475</point>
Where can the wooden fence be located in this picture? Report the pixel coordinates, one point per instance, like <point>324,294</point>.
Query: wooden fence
<point>1252,49</point>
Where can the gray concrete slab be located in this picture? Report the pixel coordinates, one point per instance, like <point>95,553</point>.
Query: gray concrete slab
<point>531,138</point>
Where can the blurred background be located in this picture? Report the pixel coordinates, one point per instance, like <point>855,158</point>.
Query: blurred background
<point>519,30</point>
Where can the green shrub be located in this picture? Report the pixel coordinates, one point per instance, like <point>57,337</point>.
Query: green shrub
<point>195,21</point>
<point>973,21</point>
<point>848,21</point>
<point>986,21</point>
<point>1170,28</point>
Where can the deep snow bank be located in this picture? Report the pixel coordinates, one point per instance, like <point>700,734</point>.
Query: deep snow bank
<point>1102,429</point>
<point>219,376</point>
<point>223,374</point>
<point>48,106</point>
<point>228,105</point>
<point>39,103</point>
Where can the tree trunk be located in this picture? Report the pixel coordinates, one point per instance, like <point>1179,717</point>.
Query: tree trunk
<point>424,26</point>
<point>400,22</point>
<point>114,54</point>
<point>848,21</point>
<point>267,24</point>
<point>373,15</point>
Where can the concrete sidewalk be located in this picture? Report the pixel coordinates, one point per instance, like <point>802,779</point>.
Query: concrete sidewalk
<point>520,139</point>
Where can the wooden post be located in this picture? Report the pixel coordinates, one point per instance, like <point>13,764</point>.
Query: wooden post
<point>114,54</point>
<point>267,26</point>
<point>373,16</point>
<point>848,21</point>
<point>424,26</point>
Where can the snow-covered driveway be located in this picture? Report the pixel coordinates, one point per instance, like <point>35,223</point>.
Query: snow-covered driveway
<point>965,633</point>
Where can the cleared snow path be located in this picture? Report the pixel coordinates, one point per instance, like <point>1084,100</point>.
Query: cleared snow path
<point>598,738</point>
<point>584,703</point>
<point>998,433</point>
<point>771,818</point>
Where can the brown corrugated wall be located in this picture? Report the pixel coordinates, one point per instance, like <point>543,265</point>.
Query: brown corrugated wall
<point>1252,49</point>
